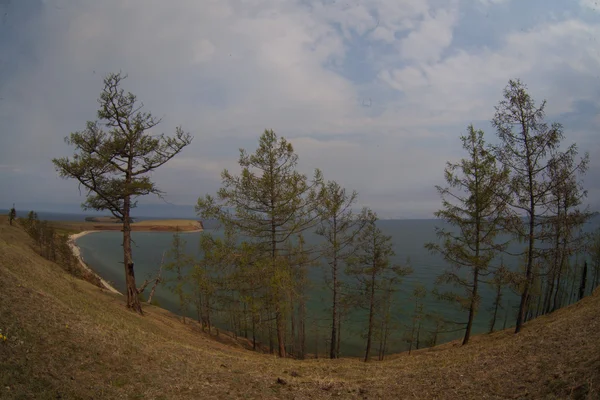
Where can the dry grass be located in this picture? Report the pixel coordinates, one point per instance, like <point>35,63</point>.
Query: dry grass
<point>70,339</point>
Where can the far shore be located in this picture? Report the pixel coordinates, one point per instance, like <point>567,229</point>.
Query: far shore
<point>166,225</point>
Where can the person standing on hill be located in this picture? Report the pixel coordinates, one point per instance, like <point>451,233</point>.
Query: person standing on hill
<point>12,215</point>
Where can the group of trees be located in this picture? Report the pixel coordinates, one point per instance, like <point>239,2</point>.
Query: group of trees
<point>525,187</point>
<point>54,246</point>
<point>256,271</point>
<point>269,207</point>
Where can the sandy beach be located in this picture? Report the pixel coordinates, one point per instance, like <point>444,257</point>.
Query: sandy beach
<point>77,253</point>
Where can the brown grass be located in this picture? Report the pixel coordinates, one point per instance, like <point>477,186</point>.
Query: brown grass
<point>69,339</point>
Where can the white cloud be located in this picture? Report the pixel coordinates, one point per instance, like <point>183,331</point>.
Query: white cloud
<point>433,35</point>
<point>592,4</point>
<point>466,85</point>
<point>228,69</point>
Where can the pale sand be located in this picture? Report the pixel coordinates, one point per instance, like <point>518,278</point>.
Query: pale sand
<point>77,253</point>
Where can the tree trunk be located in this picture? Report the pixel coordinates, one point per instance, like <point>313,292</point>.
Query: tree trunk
<point>133,302</point>
<point>332,352</point>
<point>496,305</point>
<point>583,281</point>
<point>335,316</point>
<point>386,333</point>
<point>472,306</point>
<point>280,330</point>
<point>293,328</point>
<point>339,335</point>
<point>253,332</point>
<point>529,271</point>
<point>371,313</point>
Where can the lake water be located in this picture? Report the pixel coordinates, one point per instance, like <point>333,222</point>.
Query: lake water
<point>103,252</point>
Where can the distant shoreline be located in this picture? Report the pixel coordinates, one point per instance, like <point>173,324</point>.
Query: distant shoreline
<point>166,225</point>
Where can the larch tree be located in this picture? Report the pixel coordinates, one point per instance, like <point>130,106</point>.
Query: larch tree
<point>179,263</point>
<point>269,202</point>
<point>418,295</point>
<point>474,205</point>
<point>371,266</point>
<point>113,159</point>
<point>565,219</point>
<point>526,145</point>
<point>500,279</point>
<point>594,252</point>
<point>339,227</point>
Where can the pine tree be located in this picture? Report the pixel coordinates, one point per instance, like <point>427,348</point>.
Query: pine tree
<point>370,266</point>
<point>525,148</point>
<point>475,203</point>
<point>180,263</point>
<point>499,280</point>
<point>565,219</point>
<point>269,202</point>
<point>418,295</point>
<point>339,227</point>
<point>113,165</point>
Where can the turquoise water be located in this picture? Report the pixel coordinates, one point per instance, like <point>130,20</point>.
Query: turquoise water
<point>103,252</point>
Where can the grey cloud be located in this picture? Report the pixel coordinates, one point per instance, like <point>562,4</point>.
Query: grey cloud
<point>227,70</point>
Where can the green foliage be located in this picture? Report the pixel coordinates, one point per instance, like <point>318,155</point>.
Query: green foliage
<point>418,295</point>
<point>180,263</point>
<point>526,147</point>
<point>51,245</point>
<point>269,202</point>
<point>114,154</point>
<point>370,266</point>
<point>113,159</point>
<point>339,227</point>
<point>475,205</point>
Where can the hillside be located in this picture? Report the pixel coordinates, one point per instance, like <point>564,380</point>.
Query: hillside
<point>69,339</point>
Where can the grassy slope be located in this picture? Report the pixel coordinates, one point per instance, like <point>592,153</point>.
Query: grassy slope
<point>70,339</point>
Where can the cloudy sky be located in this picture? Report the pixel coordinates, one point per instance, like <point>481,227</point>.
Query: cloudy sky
<point>374,92</point>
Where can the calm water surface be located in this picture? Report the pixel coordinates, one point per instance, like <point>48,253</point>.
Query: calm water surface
<point>103,251</point>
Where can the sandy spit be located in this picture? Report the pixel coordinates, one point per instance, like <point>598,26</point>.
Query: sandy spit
<point>77,252</point>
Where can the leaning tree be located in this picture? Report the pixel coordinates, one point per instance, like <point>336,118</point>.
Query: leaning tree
<point>113,158</point>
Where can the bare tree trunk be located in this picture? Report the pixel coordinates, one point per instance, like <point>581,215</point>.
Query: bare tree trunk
<point>302,327</point>
<point>133,302</point>
<point>529,270</point>
<point>472,306</point>
<point>316,339</point>
<point>335,316</point>
<point>157,280</point>
<point>583,281</point>
<point>293,327</point>
<point>371,313</point>
<point>280,326</point>
<point>253,332</point>
<point>339,335</point>
<point>496,306</point>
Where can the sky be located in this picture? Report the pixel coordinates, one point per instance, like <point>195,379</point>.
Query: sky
<point>375,93</point>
